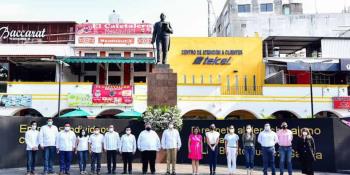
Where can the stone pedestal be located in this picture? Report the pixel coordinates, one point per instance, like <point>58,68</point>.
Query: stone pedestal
<point>162,86</point>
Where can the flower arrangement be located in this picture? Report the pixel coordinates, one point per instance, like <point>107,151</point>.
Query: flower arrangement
<point>160,116</point>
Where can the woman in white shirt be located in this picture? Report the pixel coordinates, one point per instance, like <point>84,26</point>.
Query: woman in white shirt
<point>82,150</point>
<point>231,147</point>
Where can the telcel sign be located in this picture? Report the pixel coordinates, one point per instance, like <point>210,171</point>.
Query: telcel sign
<point>212,57</point>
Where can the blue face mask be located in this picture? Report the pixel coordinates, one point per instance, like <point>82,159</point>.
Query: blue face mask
<point>49,123</point>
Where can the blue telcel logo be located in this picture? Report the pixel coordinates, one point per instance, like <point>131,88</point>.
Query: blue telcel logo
<point>212,61</point>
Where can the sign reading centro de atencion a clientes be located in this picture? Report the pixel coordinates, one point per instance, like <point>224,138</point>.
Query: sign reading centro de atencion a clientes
<point>212,57</point>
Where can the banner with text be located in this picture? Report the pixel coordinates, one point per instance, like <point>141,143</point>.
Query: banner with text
<point>109,94</point>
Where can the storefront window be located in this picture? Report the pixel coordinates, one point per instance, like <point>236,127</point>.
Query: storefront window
<point>140,55</point>
<point>90,67</point>
<point>115,55</point>
<point>90,79</point>
<point>140,67</point>
<point>114,67</point>
<point>90,54</point>
<point>139,79</point>
<point>115,80</point>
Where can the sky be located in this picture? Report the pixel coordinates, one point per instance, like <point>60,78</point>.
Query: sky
<point>187,17</point>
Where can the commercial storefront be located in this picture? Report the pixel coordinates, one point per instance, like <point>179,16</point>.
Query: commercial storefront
<point>235,64</point>
<point>118,54</point>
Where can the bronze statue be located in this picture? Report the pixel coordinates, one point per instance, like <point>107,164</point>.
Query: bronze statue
<point>161,36</point>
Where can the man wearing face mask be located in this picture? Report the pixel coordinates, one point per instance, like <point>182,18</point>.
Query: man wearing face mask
<point>128,149</point>
<point>65,145</point>
<point>285,137</point>
<point>111,145</point>
<point>32,142</point>
<point>95,149</point>
<point>268,139</point>
<point>212,141</point>
<point>148,143</point>
<point>171,142</point>
<point>47,140</point>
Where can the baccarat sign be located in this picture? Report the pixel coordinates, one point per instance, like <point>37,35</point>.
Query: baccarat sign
<point>341,102</point>
<point>113,29</point>
<point>6,33</point>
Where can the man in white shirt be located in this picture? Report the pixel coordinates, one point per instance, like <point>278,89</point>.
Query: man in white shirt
<point>212,142</point>
<point>171,142</point>
<point>128,149</point>
<point>268,139</point>
<point>32,142</point>
<point>95,149</point>
<point>65,144</point>
<point>111,142</point>
<point>148,143</point>
<point>47,141</point>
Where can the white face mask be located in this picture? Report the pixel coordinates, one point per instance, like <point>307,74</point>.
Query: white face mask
<point>33,127</point>
<point>82,133</point>
<point>66,128</point>
<point>128,132</point>
<point>267,128</point>
<point>97,132</point>
<point>111,129</point>
<point>249,130</point>
<point>171,126</point>
<point>232,130</point>
<point>304,133</point>
<point>49,123</point>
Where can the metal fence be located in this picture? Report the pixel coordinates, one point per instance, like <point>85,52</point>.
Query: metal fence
<point>241,90</point>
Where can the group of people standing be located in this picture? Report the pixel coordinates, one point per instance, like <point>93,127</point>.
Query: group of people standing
<point>267,138</point>
<point>66,144</point>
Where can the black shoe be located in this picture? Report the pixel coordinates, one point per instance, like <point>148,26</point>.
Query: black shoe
<point>113,172</point>
<point>167,173</point>
<point>130,172</point>
<point>173,173</point>
<point>123,172</point>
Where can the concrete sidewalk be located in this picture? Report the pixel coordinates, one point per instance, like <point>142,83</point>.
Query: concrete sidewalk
<point>160,168</point>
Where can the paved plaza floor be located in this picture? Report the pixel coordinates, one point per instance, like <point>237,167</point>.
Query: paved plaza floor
<point>182,169</point>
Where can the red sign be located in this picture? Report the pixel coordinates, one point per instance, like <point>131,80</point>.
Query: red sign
<point>112,94</point>
<point>86,40</point>
<point>341,102</point>
<point>113,29</point>
<point>104,40</point>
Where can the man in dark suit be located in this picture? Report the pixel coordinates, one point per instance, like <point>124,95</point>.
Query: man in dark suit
<point>161,35</point>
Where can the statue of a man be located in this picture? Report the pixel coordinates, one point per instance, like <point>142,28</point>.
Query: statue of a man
<point>161,36</point>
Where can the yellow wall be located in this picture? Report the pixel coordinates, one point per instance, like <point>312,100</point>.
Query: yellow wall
<point>248,64</point>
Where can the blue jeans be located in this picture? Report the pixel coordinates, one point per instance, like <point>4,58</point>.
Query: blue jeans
<point>249,154</point>
<point>31,161</point>
<point>49,157</point>
<point>213,156</point>
<point>65,161</point>
<point>83,156</point>
<point>269,159</point>
<point>95,159</point>
<point>286,153</point>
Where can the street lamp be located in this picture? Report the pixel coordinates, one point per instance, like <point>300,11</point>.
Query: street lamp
<point>311,80</point>
<point>60,70</point>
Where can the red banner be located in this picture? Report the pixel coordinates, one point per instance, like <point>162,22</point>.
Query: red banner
<point>113,29</point>
<point>118,95</point>
<point>341,102</point>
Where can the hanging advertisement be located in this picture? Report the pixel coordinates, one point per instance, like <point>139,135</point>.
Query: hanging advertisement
<point>113,29</point>
<point>15,101</point>
<point>341,102</point>
<point>4,71</point>
<point>109,94</point>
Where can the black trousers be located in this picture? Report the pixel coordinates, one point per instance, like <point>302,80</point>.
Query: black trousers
<point>148,157</point>
<point>127,160</point>
<point>111,158</point>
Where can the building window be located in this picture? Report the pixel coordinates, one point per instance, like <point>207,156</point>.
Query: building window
<point>90,54</point>
<point>244,8</point>
<point>116,80</point>
<point>114,67</point>
<point>140,67</point>
<point>115,55</point>
<point>90,67</point>
<point>139,79</point>
<point>266,7</point>
<point>140,55</point>
<point>90,79</point>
